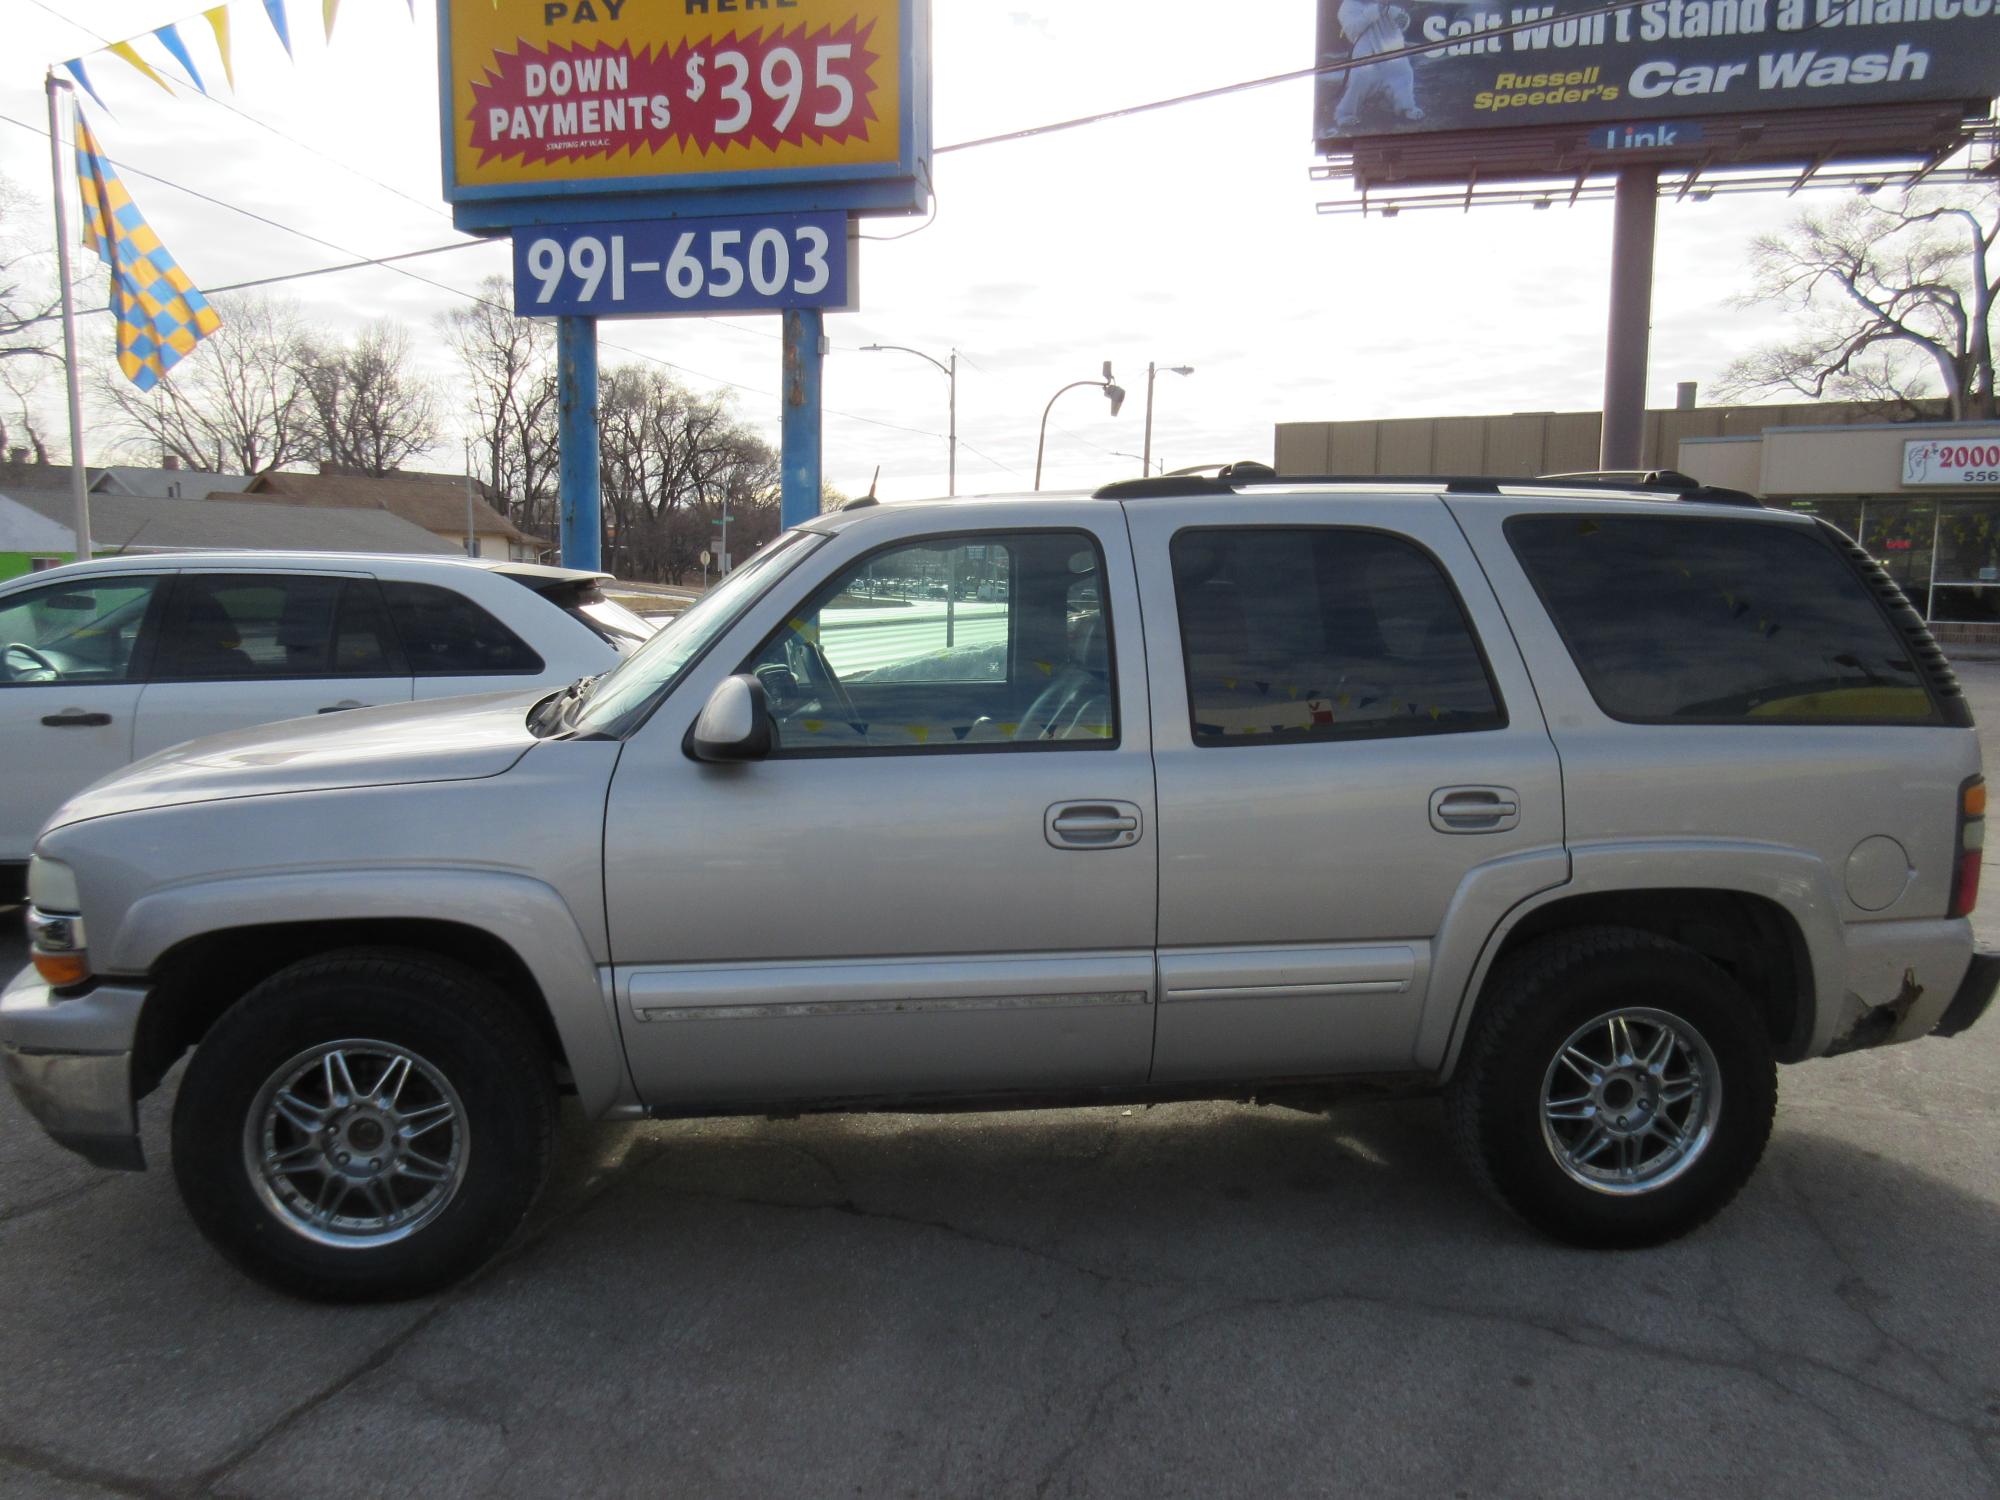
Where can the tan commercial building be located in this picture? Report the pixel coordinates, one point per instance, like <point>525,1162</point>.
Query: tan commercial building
<point>1923,497</point>
<point>1921,494</point>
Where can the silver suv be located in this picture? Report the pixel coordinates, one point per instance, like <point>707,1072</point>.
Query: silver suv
<point>1583,804</point>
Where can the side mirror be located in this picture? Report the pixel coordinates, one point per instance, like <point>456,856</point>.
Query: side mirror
<point>735,723</point>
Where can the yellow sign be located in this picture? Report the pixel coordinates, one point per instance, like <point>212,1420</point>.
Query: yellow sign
<point>568,96</point>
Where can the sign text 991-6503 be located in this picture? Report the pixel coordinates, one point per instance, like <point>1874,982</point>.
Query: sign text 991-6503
<point>759,263</point>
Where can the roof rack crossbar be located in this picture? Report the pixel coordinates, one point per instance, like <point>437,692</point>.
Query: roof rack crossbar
<point>1655,481</point>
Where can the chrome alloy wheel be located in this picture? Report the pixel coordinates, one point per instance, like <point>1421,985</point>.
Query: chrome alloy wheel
<point>1630,1101</point>
<point>356,1143</point>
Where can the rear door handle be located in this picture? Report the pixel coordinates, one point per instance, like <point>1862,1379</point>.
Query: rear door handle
<point>1092,825</point>
<point>76,718</point>
<point>343,707</point>
<point>1475,809</point>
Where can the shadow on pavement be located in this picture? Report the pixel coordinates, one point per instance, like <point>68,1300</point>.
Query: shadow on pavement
<point>1189,1299</point>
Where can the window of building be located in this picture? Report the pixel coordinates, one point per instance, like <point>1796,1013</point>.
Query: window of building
<point>1294,634</point>
<point>73,632</point>
<point>949,644</point>
<point>444,634</point>
<point>1687,619</point>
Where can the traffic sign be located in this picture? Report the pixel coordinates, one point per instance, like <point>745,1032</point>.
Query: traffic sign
<point>758,263</point>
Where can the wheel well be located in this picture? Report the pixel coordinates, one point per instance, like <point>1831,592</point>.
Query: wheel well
<point>197,980</point>
<point>1751,938</point>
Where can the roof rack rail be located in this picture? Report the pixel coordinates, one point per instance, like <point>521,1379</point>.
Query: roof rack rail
<point>1685,486</point>
<point>1229,479</point>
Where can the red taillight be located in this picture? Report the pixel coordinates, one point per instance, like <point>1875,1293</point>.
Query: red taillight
<point>1971,842</point>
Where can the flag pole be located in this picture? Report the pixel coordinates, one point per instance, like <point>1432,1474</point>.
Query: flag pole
<point>79,481</point>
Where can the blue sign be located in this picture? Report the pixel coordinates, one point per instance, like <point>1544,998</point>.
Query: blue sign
<point>761,263</point>
<point>1654,135</point>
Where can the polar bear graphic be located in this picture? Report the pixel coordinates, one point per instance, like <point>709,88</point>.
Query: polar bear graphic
<point>1371,27</point>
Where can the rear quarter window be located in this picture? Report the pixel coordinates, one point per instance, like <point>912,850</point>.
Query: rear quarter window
<point>445,634</point>
<point>1689,619</point>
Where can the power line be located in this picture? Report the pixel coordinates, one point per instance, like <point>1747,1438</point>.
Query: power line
<point>388,263</point>
<point>1339,65</point>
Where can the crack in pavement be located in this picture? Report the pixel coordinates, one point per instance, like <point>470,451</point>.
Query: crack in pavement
<point>59,1198</point>
<point>598,1186</point>
<point>33,1460</point>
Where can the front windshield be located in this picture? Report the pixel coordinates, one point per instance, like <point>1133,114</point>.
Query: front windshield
<point>623,695</point>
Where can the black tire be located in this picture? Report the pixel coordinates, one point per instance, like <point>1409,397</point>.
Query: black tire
<point>1531,1006</point>
<point>448,1018</point>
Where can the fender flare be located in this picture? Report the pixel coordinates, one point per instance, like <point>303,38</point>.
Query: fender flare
<point>1795,881</point>
<point>526,915</point>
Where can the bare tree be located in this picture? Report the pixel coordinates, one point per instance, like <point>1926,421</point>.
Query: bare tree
<point>233,406</point>
<point>29,329</point>
<point>1891,295</point>
<point>671,464</point>
<point>510,390</point>
<point>368,412</point>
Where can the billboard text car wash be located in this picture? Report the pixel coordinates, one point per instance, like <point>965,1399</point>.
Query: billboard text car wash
<point>1658,58</point>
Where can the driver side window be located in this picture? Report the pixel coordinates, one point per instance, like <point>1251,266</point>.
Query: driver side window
<point>73,632</point>
<point>975,643</point>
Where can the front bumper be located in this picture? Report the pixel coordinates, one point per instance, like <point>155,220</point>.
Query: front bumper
<point>69,1062</point>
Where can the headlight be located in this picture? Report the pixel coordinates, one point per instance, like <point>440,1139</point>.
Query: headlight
<point>52,885</point>
<point>56,941</point>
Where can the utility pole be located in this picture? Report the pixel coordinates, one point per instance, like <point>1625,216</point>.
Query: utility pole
<point>79,482</point>
<point>951,375</point>
<point>471,535</point>
<point>1146,456</point>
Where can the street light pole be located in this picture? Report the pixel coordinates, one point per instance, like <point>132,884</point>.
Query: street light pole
<point>1113,392</point>
<point>1146,459</point>
<point>951,375</point>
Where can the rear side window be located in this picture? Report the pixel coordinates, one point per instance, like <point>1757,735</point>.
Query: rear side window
<point>446,635</point>
<point>224,626</point>
<point>1301,634</point>
<point>1675,619</point>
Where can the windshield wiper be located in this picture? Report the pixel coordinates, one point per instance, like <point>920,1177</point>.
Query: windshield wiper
<point>552,712</point>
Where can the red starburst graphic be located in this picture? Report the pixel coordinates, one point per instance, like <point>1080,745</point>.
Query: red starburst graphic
<point>769,90</point>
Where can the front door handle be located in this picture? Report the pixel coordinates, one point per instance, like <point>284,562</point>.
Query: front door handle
<point>343,706</point>
<point>1092,825</point>
<point>76,718</point>
<point>1475,809</point>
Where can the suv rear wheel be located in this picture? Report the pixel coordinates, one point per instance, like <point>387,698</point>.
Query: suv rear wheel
<point>1617,1089</point>
<point>363,1126</point>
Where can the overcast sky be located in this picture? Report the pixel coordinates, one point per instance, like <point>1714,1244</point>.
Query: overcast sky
<point>1187,236</point>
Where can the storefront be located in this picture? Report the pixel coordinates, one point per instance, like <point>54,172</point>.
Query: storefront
<point>1923,498</point>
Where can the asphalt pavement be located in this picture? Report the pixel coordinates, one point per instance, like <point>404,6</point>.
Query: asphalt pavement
<point>1189,1300</point>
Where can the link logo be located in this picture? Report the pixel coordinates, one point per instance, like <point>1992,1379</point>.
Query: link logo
<point>1664,135</point>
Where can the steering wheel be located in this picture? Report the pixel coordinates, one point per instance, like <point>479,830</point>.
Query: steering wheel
<point>38,662</point>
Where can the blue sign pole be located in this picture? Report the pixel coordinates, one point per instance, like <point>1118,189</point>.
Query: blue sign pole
<point>805,347</point>
<point>576,431</point>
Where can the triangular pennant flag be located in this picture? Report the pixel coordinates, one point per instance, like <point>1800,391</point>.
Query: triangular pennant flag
<point>75,67</point>
<point>218,22</point>
<point>124,50</point>
<point>858,727</point>
<point>275,9</point>
<point>330,9</point>
<point>170,38</point>
<point>960,731</point>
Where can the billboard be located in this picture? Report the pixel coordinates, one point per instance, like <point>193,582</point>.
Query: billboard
<point>573,105</point>
<point>1652,60</point>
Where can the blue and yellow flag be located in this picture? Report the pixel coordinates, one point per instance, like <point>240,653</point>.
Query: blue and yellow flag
<point>160,314</point>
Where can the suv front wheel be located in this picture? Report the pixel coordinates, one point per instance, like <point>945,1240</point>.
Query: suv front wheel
<point>1617,1089</point>
<point>364,1125</point>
